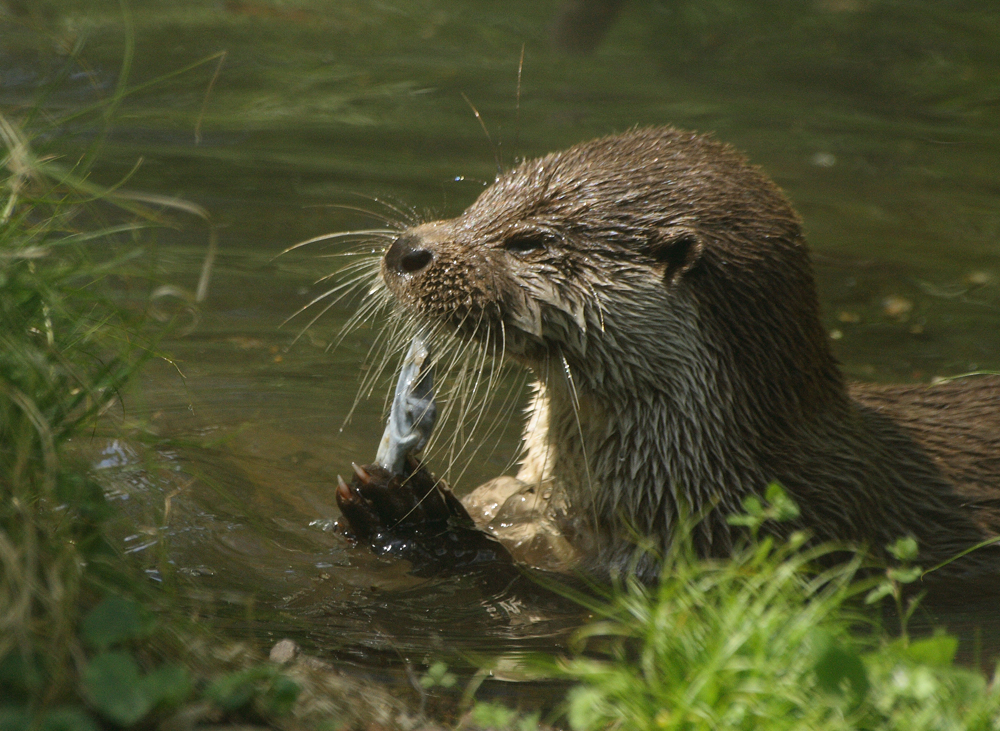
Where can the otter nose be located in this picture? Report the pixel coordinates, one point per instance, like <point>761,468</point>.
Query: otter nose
<point>406,256</point>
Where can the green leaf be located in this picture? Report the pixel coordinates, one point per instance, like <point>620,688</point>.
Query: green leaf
<point>168,685</point>
<point>775,493</point>
<point>231,694</point>
<point>493,715</point>
<point>938,651</point>
<point>782,506</point>
<point>281,696</point>
<point>115,687</point>
<point>904,575</point>
<point>879,592</point>
<point>584,708</point>
<point>837,666</point>
<point>905,549</point>
<point>753,506</point>
<point>67,719</point>
<point>437,674</point>
<point>115,620</point>
<point>234,691</point>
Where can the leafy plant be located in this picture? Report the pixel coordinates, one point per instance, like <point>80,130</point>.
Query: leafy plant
<point>67,350</point>
<point>896,579</point>
<point>74,335</point>
<point>275,692</point>
<point>765,640</point>
<point>437,675</point>
<point>497,716</point>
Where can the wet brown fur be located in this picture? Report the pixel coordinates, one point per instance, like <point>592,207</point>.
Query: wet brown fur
<point>660,289</point>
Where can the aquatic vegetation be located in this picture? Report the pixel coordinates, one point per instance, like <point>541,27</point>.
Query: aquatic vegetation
<point>766,640</point>
<point>778,637</point>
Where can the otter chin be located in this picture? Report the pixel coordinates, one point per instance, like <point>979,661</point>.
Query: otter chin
<point>659,289</point>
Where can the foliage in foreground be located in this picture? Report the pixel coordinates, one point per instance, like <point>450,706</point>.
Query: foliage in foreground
<point>764,641</point>
<point>64,357</point>
<point>78,648</point>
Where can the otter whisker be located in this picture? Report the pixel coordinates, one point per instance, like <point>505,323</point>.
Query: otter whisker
<point>397,224</point>
<point>470,357</point>
<point>387,343</point>
<point>457,375</point>
<point>375,293</point>
<point>353,283</point>
<point>524,453</point>
<point>410,216</point>
<point>349,287</point>
<point>368,265</point>
<point>367,253</point>
<point>323,311</point>
<point>519,453</point>
<point>458,348</point>
<point>508,411</point>
<point>394,345</point>
<point>370,309</point>
<point>341,235</point>
<point>477,361</point>
<point>575,400</point>
<point>503,412</point>
<point>326,308</point>
<point>494,360</point>
<point>462,373</point>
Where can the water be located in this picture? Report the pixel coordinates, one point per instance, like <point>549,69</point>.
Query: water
<point>879,119</point>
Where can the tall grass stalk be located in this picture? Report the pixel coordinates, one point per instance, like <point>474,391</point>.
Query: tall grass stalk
<point>67,349</point>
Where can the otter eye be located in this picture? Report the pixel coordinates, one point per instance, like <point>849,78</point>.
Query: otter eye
<point>524,243</point>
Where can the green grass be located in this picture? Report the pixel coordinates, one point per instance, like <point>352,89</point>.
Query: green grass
<point>765,640</point>
<point>66,351</point>
<point>85,640</point>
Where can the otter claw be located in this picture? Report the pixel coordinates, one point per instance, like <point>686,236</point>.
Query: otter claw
<point>343,490</point>
<point>361,473</point>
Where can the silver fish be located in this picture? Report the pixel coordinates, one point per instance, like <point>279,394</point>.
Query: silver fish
<point>413,412</point>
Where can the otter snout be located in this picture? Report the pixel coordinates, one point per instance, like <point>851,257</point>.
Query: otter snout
<point>407,255</point>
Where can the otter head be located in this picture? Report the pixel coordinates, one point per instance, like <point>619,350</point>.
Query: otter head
<point>626,256</point>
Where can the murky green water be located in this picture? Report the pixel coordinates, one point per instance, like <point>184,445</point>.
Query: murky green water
<point>880,119</point>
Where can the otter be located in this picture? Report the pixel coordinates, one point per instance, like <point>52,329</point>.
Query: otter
<point>659,289</point>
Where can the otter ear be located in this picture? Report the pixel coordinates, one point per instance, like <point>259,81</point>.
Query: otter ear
<point>678,248</point>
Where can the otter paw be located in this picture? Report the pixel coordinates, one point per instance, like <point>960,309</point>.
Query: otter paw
<point>378,502</point>
<point>414,516</point>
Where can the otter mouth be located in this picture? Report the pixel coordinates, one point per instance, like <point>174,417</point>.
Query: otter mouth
<point>494,327</point>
